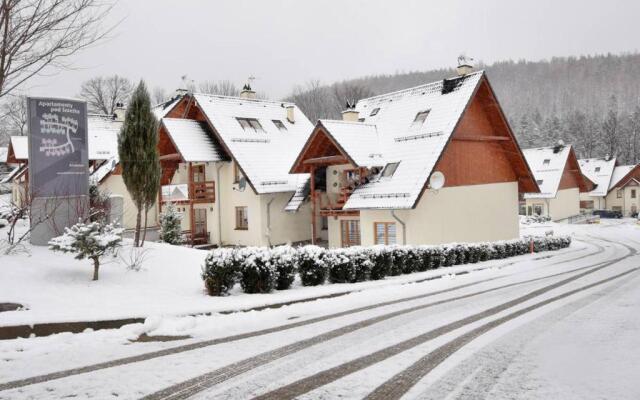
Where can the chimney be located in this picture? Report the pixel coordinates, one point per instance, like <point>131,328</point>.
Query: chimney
<point>119,112</point>
<point>350,114</point>
<point>290,113</point>
<point>465,65</point>
<point>247,93</point>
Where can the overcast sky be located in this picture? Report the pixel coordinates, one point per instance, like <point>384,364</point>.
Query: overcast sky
<point>284,43</point>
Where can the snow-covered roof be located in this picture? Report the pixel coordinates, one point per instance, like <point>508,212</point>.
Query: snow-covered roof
<point>416,146</point>
<point>161,110</point>
<point>300,194</point>
<point>359,140</point>
<point>264,155</point>
<point>619,173</point>
<point>20,146</point>
<point>547,166</point>
<point>103,170</point>
<point>3,154</point>
<point>599,171</point>
<point>16,172</point>
<point>177,192</point>
<point>193,140</point>
<point>103,131</point>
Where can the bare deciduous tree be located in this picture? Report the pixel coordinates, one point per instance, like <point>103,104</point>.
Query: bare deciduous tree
<point>313,99</point>
<point>13,115</point>
<point>103,93</point>
<point>223,88</point>
<point>348,91</point>
<point>159,95</point>
<point>39,34</point>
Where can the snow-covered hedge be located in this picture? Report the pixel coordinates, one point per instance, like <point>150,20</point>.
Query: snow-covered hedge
<point>260,270</point>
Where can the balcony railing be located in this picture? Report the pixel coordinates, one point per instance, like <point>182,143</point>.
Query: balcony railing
<point>203,192</point>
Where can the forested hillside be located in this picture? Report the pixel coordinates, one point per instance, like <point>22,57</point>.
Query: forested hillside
<point>591,101</point>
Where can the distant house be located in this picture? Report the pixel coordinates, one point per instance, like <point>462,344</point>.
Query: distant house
<point>600,172</point>
<point>225,165</point>
<point>378,173</point>
<point>624,190</point>
<point>560,179</point>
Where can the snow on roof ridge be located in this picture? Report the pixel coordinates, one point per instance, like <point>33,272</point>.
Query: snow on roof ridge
<point>430,85</point>
<point>235,98</point>
<point>340,121</point>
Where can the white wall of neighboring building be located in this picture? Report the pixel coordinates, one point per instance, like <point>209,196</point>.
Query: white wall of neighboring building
<point>599,202</point>
<point>626,203</point>
<point>114,184</point>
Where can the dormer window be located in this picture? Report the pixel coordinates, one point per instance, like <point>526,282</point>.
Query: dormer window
<point>546,161</point>
<point>418,121</point>
<point>389,170</point>
<point>374,111</point>
<point>279,125</point>
<point>250,124</point>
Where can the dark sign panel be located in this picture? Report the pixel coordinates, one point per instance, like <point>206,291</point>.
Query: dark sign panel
<point>58,155</point>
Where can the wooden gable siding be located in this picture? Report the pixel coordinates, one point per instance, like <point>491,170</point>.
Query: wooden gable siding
<point>478,151</point>
<point>572,176</point>
<point>167,148</point>
<point>319,145</point>
<point>187,108</point>
<point>634,174</point>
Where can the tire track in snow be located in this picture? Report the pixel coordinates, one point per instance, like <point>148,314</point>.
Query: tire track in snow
<point>198,345</point>
<point>401,383</point>
<point>200,383</point>
<point>322,378</point>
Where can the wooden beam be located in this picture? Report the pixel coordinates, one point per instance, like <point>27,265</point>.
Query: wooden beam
<point>172,156</point>
<point>481,138</point>
<point>313,204</point>
<point>326,160</point>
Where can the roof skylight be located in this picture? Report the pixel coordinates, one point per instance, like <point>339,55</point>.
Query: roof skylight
<point>279,125</point>
<point>418,121</point>
<point>374,111</point>
<point>389,170</point>
<point>249,124</point>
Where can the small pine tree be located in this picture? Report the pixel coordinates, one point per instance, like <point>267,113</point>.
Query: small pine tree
<point>170,225</point>
<point>93,241</point>
<point>137,148</point>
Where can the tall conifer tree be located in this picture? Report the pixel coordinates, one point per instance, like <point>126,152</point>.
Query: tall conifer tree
<point>137,147</point>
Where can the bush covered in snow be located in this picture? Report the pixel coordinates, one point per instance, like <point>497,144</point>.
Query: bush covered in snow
<point>220,271</point>
<point>534,219</point>
<point>92,240</point>
<point>311,265</point>
<point>260,270</point>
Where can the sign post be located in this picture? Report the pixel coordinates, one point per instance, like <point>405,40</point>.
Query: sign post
<point>58,165</point>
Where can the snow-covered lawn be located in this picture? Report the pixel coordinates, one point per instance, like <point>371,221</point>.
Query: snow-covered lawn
<point>56,288</point>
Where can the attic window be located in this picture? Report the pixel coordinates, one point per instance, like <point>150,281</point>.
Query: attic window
<point>389,170</point>
<point>539,181</point>
<point>597,169</point>
<point>419,119</point>
<point>249,124</point>
<point>279,125</point>
<point>546,161</point>
<point>374,111</point>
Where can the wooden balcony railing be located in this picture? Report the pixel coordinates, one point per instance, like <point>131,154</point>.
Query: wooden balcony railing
<point>203,192</point>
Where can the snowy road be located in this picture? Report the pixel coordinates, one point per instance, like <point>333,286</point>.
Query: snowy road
<point>563,326</point>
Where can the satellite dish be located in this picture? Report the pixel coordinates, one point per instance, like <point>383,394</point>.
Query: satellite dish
<point>436,181</point>
<point>242,184</point>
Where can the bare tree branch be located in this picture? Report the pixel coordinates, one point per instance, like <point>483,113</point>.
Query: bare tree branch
<point>104,93</point>
<point>40,34</point>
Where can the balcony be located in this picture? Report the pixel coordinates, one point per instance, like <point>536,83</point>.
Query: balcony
<point>194,193</point>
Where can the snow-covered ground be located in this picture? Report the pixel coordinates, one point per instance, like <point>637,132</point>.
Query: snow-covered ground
<point>55,287</point>
<point>583,345</point>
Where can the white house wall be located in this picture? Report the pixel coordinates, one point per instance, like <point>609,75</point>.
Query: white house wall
<point>564,205</point>
<point>114,184</point>
<point>626,203</point>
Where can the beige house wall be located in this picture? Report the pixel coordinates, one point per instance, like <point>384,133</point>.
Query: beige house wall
<point>627,204</point>
<point>285,227</point>
<point>599,202</point>
<point>474,213</point>
<point>564,205</point>
<point>114,184</point>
